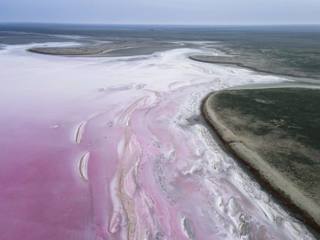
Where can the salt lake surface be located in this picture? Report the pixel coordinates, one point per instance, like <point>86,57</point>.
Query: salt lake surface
<point>115,148</point>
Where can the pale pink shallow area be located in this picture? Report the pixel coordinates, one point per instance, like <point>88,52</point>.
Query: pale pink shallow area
<point>115,148</point>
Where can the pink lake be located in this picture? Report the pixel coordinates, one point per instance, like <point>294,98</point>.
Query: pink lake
<point>115,148</point>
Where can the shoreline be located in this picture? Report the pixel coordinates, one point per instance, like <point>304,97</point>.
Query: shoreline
<point>261,171</point>
<point>261,71</point>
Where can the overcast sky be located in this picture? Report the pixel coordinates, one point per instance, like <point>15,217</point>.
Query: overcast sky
<point>212,12</point>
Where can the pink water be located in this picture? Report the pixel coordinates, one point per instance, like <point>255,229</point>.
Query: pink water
<point>115,149</point>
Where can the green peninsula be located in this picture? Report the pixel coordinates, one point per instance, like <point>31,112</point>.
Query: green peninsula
<point>276,131</point>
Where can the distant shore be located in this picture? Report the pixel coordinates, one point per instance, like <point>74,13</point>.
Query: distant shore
<point>111,49</point>
<point>230,62</point>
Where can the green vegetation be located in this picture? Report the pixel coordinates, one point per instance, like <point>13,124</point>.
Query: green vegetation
<point>278,128</point>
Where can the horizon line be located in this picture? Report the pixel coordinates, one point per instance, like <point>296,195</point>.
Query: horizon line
<point>162,24</point>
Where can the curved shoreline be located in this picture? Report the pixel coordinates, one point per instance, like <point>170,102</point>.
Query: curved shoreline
<point>281,188</point>
<point>255,69</point>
